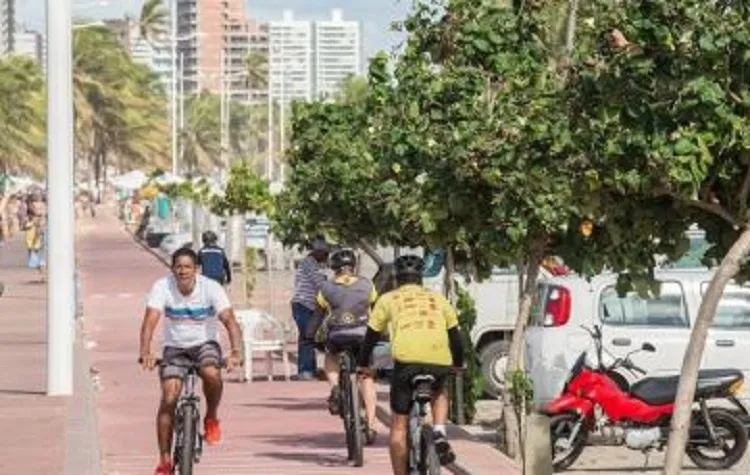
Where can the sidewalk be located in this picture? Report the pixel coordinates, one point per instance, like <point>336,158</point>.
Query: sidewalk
<point>42,435</point>
<point>269,428</point>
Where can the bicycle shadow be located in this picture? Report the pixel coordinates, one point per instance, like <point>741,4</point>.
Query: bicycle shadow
<point>322,460</point>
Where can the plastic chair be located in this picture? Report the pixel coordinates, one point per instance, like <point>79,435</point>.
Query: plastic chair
<point>262,332</point>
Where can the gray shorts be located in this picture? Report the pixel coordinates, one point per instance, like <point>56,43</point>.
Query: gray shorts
<point>176,361</point>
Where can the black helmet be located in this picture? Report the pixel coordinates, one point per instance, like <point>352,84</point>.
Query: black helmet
<point>209,238</point>
<point>343,258</point>
<point>409,266</point>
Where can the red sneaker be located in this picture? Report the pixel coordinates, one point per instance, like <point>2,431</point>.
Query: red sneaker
<point>212,431</point>
<point>164,468</point>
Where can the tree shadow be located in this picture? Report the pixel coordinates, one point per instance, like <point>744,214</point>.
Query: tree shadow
<point>326,440</point>
<point>22,392</point>
<point>323,460</point>
<point>305,406</point>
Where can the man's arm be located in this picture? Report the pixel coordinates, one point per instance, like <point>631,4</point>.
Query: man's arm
<point>150,320</point>
<point>454,334</point>
<point>229,320</point>
<point>227,268</point>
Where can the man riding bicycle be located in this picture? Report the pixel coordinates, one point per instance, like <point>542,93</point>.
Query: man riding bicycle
<point>346,299</point>
<point>192,306</point>
<point>424,340</point>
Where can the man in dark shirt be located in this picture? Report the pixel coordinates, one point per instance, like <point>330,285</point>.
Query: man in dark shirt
<point>213,260</point>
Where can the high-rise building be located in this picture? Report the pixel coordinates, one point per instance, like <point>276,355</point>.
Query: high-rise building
<point>338,53</point>
<point>7,25</point>
<point>210,31</point>
<point>311,60</point>
<point>28,43</point>
<point>290,59</point>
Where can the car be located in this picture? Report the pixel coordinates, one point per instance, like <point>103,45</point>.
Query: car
<point>555,337</point>
<point>174,241</point>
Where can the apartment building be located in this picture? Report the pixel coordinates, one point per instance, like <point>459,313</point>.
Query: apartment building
<point>290,59</point>
<point>7,25</point>
<point>337,53</point>
<point>210,31</point>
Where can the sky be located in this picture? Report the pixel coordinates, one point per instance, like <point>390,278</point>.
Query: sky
<point>375,16</point>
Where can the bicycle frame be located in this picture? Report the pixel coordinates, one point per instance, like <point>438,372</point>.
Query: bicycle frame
<point>187,398</point>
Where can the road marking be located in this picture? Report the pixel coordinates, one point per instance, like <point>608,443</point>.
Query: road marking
<point>125,295</point>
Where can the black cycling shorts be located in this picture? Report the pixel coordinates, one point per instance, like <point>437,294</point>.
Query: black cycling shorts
<point>401,388</point>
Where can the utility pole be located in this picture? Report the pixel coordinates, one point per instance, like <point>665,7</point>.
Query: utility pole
<point>61,304</point>
<point>173,99</point>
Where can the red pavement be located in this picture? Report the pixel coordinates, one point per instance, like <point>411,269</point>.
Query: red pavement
<point>269,427</point>
<point>32,439</point>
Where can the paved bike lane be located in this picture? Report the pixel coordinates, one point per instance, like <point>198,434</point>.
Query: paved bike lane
<point>269,427</point>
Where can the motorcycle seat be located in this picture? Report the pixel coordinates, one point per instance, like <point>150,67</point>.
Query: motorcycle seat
<point>663,389</point>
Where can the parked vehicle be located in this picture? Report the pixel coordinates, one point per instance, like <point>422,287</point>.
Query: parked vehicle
<point>174,241</point>
<point>554,338</point>
<point>638,416</point>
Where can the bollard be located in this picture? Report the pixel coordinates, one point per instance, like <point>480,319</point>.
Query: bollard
<point>537,447</point>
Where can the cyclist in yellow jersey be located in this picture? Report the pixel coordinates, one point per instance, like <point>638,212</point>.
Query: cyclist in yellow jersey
<point>424,340</point>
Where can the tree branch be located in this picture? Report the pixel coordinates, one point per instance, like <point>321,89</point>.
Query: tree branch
<point>713,208</point>
<point>744,191</point>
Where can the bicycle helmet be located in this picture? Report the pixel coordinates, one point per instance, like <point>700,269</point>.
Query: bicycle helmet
<point>209,238</point>
<point>343,258</point>
<point>409,266</point>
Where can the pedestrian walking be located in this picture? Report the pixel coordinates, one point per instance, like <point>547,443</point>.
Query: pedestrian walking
<point>213,260</point>
<point>307,283</point>
<point>35,245</point>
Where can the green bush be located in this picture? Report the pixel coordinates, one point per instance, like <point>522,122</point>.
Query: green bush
<point>473,382</point>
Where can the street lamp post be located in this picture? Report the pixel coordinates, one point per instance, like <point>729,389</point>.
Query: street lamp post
<point>61,244</point>
<point>173,99</point>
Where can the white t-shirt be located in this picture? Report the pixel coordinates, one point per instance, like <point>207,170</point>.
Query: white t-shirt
<point>189,320</point>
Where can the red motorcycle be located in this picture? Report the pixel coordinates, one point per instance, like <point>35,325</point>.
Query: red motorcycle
<point>598,407</point>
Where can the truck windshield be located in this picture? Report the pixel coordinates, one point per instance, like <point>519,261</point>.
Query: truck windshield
<point>433,262</point>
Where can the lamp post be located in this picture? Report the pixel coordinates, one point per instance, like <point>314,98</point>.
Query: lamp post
<point>61,244</point>
<point>173,98</point>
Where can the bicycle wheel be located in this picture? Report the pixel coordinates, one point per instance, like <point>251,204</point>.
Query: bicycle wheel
<point>186,450</point>
<point>355,430</point>
<point>429,463</point>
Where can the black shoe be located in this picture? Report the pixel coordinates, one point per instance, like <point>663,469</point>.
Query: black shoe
<point>334,401</point>
<point>443,448</point>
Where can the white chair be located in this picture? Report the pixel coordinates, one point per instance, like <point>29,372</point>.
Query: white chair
<point>262,333</point>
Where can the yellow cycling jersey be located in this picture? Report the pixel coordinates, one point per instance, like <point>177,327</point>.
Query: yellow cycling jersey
<point>419,321</point>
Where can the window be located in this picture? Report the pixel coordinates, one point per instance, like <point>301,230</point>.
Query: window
<point>631,310</point>
<point>734,307</point>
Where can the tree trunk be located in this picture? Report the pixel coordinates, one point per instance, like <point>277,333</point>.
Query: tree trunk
<point>245,277</point>
<point>235,232</point>
<point>449,283</point>
<point>515,357</point>
<point>694,353</point>
<point>371,251</point>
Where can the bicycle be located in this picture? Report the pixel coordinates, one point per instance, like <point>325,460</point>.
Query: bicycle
<point>423,457</point>
<point>187,441</point>
<point>352,410</point>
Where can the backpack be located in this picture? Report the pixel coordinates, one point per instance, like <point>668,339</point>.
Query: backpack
<point>212,263</point>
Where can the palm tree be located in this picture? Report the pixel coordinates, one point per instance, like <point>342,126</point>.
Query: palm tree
<point>153,20</point>
<point>256,64</point>
<point>119,113</point>
<point>202,133</point>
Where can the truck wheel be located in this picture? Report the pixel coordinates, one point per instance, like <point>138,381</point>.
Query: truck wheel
<point>494,360</point>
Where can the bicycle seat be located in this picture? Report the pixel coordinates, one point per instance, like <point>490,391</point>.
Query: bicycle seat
<point>422,384</point>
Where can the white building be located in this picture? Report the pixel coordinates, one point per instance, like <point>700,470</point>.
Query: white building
<point>156,54</point>
<point>310,60</point>
<point>338,53</point>
<point>290,62</point>
<point>7,25</point>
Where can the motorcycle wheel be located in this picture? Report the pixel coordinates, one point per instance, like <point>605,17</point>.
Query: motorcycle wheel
<point>730,430</point>
<point>560,427</point>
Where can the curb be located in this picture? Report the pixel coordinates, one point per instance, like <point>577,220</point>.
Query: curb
<point>145,246</point>
<point>383,413</point>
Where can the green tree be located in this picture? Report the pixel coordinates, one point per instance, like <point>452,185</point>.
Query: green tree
<point>662,107</point>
